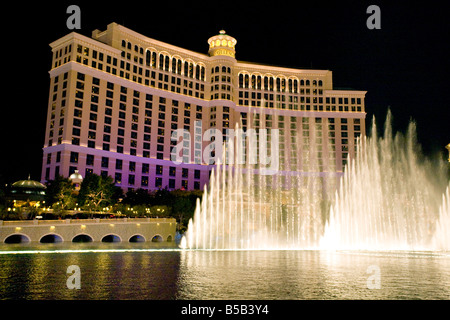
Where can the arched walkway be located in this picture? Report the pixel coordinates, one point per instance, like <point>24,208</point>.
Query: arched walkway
<point>137,238</point>
<point>111,238</point>
<point>82,238</point>
<point>17,238</point>
<point>157,238</point>
<point>51,238</point>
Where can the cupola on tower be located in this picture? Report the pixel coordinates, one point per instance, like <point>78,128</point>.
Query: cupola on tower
<point>222,52</point>
<point>222,45</point>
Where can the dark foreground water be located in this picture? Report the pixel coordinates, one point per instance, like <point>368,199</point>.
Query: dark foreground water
<point>154,271</point>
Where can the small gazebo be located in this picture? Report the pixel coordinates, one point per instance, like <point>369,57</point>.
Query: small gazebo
<point>29,192</point>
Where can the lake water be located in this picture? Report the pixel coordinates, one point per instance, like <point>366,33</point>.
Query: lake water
<point>155,271</point>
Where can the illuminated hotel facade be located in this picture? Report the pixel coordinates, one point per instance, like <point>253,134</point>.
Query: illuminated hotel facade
<point>116,98</point>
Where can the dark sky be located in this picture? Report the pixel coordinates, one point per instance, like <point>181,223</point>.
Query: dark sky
<point>404,66</point>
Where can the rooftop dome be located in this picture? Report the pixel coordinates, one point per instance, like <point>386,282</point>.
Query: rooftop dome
<point>222,45</point>
<point>76,177</point>
<point>31,184</point>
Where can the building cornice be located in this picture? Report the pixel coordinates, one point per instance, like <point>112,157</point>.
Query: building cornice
<point>154,42</point>
<point>343,92</point>
<point>261,68</point>
<point>73,36</point>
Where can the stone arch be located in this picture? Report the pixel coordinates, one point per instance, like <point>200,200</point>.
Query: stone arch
<point>51,238</point>
<point>17,238</point>
<point>83,237</point>
<point>169,238</point>
<point>111,237</point>
<point>137,238</point>
<point>157,238</point>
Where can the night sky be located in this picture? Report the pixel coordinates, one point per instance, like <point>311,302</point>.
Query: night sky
<point>404,66</point>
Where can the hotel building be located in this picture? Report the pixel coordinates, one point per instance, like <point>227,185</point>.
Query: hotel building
<point>115,99</point>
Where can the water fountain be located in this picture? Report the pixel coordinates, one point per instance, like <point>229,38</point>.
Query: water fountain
<point>388,199</point>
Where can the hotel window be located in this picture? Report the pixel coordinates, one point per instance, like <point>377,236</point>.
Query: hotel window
<point>76,132</point>
<point>158,182</point>
<point>159,170</point>
<point>172,171</point>
<point>172,183</point>
<point>144,181</point>
<point>119,163</point>
<point>118,178</point>
<point>131,179</point>
<point>74,157</point>
<point>89,160</point>
<point>105,162</point>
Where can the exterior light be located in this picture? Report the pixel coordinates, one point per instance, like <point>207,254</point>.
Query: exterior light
<point>18,228</point>
<point>83,226</point>
<point>52,228</point>
<point>448,148</point>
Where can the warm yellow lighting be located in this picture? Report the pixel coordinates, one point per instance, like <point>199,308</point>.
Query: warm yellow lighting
<point>448,148</point>
<point>52,228</point>
<point>83,226</point>
<point>217,43</point>
<point>111,225</point>
<point>224,43</point>
<point>138,224</point>
<point>18,228</point>
<point>224,52</point>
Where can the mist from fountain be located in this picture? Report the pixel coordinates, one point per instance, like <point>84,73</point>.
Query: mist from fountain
<point>389,198</point>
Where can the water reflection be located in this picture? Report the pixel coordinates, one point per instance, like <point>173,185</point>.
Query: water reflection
<point>104,275</point>
<point>311,275</point>
<point>178,274</point>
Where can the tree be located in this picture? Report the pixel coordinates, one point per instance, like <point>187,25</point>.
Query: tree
<point>137,197</point>
<point>96,192</point>
<point>59,194</point>
<point>183,206</point>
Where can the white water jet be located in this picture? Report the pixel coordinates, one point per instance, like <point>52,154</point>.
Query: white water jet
<point>441,239</point>
<point>388,199</point>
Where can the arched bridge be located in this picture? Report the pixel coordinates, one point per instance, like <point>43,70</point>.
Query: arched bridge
<point>88,230</point>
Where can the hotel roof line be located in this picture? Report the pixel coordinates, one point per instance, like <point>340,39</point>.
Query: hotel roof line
<point>141,37</point>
